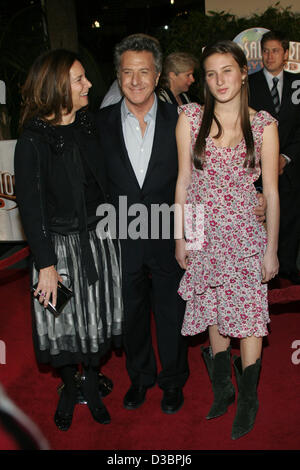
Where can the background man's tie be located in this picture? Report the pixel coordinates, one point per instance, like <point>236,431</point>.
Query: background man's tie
<point>275,95</point>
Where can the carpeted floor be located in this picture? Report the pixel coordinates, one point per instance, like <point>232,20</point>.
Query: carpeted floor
<point>34,390</point>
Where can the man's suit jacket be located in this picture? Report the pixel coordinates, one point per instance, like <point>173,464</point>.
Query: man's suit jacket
<point>158,187</point>
<point>288,117</point>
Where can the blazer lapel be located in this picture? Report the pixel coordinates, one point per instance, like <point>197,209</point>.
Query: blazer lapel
<point>286,92</point>
<point>266,93</point>
<point>160,125</point>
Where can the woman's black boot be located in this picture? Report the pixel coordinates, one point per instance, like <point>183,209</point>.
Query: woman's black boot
<point>219,371</point>
<point>90,390</point>
<point>68,398</point>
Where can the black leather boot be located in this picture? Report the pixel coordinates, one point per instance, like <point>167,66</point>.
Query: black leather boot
<point>247,406</point>
<point>219,371</point>
<point>68,398</point>
<point>90,390</point>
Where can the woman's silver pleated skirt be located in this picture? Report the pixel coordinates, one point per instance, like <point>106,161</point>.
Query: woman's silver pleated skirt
<point>94,316</point>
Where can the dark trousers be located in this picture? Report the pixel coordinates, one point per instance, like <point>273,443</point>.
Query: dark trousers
<point>289,233</point>
<point>152,288</point>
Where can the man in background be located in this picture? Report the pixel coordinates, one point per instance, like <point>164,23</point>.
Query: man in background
<point>274,90</point>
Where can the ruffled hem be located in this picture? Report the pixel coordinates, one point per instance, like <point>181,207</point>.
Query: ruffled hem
<point>208,270</point>
<point>239,306</point>
<point>191,330</point>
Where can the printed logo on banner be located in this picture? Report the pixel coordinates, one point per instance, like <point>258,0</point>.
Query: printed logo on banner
<point>293,64</point>
<point>10,223</point>
<point>249,41</point>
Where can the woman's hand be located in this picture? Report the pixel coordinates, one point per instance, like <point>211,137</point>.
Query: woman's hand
<point>270,266</point>
<point>181,254</point>
<point>47,285</point>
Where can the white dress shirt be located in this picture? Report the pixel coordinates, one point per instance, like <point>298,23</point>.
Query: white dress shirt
<point>139,147</point>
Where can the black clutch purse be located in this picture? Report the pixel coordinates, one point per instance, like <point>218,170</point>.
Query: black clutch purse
<point>64,294</point>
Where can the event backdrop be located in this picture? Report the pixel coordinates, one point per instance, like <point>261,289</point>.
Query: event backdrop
<point>249,40</point>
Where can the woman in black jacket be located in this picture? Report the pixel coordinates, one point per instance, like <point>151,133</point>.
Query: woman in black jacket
<point>60,182</point>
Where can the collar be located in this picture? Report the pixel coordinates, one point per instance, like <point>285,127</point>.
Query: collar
<point>270,77</point>
<point>151,114</point>
<point>47,132</point>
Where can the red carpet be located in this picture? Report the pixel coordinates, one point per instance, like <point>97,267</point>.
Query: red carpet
<point>34,390</point>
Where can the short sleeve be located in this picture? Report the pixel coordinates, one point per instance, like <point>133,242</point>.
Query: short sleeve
<point>194,113</point>
<point>263,119</point>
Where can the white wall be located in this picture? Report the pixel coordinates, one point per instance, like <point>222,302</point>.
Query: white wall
<point>248,8</point>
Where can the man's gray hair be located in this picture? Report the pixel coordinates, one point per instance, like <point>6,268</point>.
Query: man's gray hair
<point>139,42</point>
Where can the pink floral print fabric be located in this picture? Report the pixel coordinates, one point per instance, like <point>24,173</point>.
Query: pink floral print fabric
<point>222,284</point>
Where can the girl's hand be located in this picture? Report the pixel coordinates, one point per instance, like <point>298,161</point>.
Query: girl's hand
<point>47,285</point>
<point>181,254</point>
<point>270,266</point>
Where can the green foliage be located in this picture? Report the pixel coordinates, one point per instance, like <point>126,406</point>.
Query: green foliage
<point>192,32</point>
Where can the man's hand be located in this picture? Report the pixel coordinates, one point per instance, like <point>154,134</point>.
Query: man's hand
<point>282,164</point>
<point>181,254</point>
<point>260,209</point>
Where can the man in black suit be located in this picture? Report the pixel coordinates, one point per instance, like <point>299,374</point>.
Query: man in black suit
<point>277,91</point>
<point>137,137</point>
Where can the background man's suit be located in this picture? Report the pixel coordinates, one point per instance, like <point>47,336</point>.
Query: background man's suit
<point>140,257</point>
<point>289,182</point>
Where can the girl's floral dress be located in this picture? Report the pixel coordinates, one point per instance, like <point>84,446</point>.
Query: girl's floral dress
<point>222,284</point>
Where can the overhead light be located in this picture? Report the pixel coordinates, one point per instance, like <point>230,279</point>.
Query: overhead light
<point>96,24</point>
<point>172,2</point>
<point>166,27</point>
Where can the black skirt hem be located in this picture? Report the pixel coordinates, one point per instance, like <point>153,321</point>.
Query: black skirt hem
<point>65,358</point>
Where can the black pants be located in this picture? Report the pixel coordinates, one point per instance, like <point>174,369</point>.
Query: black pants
<point>289,233</point>
<point>152,288</point>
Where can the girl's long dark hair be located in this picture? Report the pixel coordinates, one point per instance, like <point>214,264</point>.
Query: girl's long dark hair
<point>224,47</point>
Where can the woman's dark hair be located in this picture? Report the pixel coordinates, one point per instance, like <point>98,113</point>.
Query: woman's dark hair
<point>224,47</point>
<point>47,89</point>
